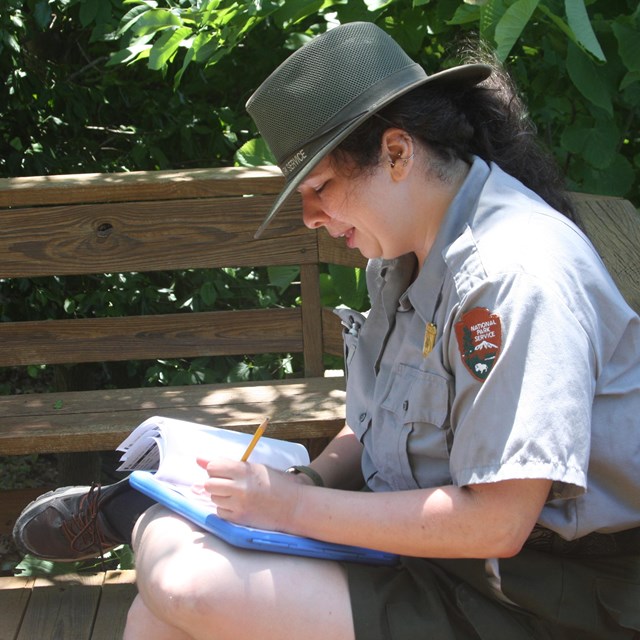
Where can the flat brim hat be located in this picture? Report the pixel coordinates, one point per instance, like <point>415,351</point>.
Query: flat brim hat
<point>327,88</point>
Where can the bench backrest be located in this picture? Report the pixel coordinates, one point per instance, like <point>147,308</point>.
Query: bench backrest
<point>161,221</point>
<point>172,220</point>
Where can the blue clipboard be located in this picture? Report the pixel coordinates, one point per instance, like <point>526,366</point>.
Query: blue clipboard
<point>249,537</point>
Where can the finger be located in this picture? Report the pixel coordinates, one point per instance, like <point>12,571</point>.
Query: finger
<point>220,467</point>
<point>219,487</point>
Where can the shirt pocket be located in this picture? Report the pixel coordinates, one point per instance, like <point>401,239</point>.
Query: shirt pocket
<point>416,417</point>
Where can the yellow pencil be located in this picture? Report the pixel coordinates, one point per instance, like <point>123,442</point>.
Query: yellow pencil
<point>254,441</point>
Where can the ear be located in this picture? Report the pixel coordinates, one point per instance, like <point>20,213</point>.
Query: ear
<point>398,152</point>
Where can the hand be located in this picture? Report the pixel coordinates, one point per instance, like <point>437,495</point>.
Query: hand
<point>251,494</point>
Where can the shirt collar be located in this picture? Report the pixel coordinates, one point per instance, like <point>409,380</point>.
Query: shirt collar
<point>459,213</point>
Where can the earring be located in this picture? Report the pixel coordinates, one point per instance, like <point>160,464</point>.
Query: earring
<point>405,161</point>
<point>392,163</point>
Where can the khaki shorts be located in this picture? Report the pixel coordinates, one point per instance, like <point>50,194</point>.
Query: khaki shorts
<point>558,598</point>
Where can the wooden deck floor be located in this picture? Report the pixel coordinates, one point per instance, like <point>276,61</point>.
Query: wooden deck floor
<point>70,607</point>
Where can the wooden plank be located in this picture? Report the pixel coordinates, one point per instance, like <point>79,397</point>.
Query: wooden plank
<point>146,337</point>
<point>150,236</point>
<point>100,420</point>
<point>61,608</point>
<point>613,225</point>
<point>118,592</point>
<point>14,600</point>
<point>138,185</point>
<point>311,320</point>
<point>332,333</point>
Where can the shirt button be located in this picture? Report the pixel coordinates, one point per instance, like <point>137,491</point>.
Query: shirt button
<point>363,417</point>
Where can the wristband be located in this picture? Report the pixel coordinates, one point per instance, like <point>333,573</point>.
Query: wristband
<point>316,478</point>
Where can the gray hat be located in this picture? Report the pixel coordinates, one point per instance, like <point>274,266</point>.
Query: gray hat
<point>326,89</point>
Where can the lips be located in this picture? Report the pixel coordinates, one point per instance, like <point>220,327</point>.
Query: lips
<point>349,236</point>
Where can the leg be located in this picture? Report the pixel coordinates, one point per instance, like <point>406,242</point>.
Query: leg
<point>141,623</point>
<point>208,589</point>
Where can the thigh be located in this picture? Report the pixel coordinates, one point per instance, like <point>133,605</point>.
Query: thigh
<point>199,583</point>
<point>447,600</point>
<point>594,598</point>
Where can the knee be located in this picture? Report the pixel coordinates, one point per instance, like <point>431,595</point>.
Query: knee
<point>183,583</point>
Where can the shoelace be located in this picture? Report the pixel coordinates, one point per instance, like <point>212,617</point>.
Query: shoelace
<point>81,529</point>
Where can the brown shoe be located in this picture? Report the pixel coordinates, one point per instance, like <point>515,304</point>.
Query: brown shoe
<point>66,525</point>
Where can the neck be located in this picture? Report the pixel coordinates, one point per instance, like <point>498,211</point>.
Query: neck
<point>438,195</point>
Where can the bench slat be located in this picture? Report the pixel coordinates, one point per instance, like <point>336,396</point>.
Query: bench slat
<point>100,420</point>
<point>61,609</point>
<point>213,333</point>
<point>14,600</point>
<point>118,592</point>
<point>150,236</point>
<point>138,185</point>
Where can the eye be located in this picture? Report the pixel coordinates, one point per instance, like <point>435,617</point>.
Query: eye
<point>320,188</point>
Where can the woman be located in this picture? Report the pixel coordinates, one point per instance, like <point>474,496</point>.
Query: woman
<point>492,391</point>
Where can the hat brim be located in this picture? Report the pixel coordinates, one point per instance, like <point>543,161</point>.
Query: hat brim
<point>469,74</point>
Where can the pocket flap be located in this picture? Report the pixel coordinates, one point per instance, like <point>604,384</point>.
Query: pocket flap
<point>418,396</point>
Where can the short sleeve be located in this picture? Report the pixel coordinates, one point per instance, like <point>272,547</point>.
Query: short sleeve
<point>528,414</point>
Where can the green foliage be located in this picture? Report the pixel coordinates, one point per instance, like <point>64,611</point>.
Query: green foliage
<point>119,558</point>
<point>114,295</point>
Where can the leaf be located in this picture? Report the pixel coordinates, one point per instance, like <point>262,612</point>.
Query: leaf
<point>166,46</point>
<point>254,153</point>
<point>155,20</point>
<point>42,14</point>
<point>580,24</point>
<point>282,277</point>
<point>615,180</point>
<point>131,17</point>
<point>88,11</point>
<point>465,14</point>
<point>490,15</point>
<point>511,25</point>
<point>585,76</point>
<point>595,142</point>
<point>628,44</point>
<point>631,78</point>
<point>32,566</point>
<point>203,46</point>
<point>376,5</point>
<point>350,285</point>
<point>208,293</point>
<point>328,295</point>
<point>139,49</point>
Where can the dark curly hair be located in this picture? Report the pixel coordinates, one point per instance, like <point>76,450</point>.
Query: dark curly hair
<point>488,120</point>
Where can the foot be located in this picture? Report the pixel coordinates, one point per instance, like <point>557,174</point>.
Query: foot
<point>66,525</point>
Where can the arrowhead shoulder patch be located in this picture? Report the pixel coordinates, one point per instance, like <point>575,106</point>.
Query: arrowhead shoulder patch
<point>479,336</point>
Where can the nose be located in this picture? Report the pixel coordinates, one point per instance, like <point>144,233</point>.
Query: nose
<point>313,215</point>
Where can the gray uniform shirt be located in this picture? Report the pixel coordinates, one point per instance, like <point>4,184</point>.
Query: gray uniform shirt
<point>535,372</point>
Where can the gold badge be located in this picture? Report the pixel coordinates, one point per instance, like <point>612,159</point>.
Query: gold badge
<point>429,339</point>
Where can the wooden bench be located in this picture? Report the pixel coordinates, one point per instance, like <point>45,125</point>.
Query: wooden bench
<point>176,220</point>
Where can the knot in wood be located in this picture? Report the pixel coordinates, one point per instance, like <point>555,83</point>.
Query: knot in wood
<point>104,230</point>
